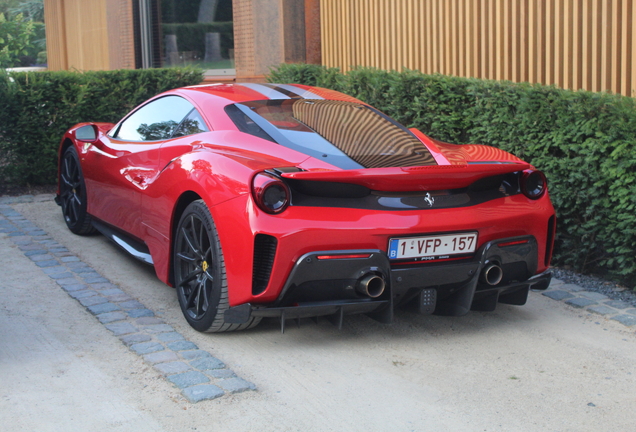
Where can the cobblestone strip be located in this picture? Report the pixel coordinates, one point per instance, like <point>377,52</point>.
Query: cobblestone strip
<point>594,302</point>
<point>198,374</point>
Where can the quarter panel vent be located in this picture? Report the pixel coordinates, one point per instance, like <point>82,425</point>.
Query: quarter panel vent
<point>264,254</point>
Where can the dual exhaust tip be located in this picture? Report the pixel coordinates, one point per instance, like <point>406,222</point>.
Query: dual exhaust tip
<point>492,274</point>
<point>371,285</point>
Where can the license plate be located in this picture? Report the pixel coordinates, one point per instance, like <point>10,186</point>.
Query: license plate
<point>432,247</point>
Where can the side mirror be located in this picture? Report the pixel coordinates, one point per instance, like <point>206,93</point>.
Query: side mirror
<point>86,133</point>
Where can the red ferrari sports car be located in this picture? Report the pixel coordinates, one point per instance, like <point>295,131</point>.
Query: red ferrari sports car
<point>290,201</point>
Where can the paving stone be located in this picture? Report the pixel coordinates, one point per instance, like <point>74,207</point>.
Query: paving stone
<point>81,293</point>
<point>159,328</point>
<point>111,317</point>
<point>48,263</point>
<point>628,320</point>
<point>571,288</point>
<point>68,281</point>
<point>132,304</point>
<point>147,347</point>
<point>69,259</point>
<point>149,321</point>
<point>103,286</point>
<point>94,279</point>
<point>580,302</point>
<point>221,373</point>
<point>111,292</point>
<point>631,311</point>
<point>138,313</point>
<point>191,355</point>
<point>55,270</point>
<point>236,385</point>
<point>207,363</point>
<point>94,300</point>
<point>188,379</point>
<point>70,287</point>
<point>602,310</point>
<point>172,368</point>
<point>202,392</point>
<point>58,249</point>
<point>617,304</point>
<point>121,328</point>
<point>131,339</point>
<point>170,337</point>
<point>118,298</point>
<point>36,256</point>
<point>593,295</point>
<point>161,357</point>
<point>103,308</point>
<point>81,270</point>
<point>65,275</point>
<point>182,346</point>
<point>558,295</point>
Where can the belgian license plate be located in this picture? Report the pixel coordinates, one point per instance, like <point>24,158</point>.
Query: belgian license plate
<point>432,247</point>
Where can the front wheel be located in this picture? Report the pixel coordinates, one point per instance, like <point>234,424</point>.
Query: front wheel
<point>199,272</point>
<point>73,194</point>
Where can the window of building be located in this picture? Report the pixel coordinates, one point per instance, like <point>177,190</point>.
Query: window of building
<point>185,32</point>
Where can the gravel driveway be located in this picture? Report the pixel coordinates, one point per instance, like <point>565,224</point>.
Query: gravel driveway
<point>545,366</point>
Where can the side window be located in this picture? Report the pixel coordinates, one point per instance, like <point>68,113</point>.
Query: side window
<point>155,121</point>
<point>191,125</point>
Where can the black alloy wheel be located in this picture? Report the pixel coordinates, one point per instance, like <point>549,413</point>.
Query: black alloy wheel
<point>73,194</point>
<point>199,272</point>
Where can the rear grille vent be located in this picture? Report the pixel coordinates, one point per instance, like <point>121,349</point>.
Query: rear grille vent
<point>264,253</point>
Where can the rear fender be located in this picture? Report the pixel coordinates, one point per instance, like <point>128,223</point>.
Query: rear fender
<point>216,178</point>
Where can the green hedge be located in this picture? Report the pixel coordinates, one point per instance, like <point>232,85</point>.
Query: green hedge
<point>38,107</point>
<point>583,141</point>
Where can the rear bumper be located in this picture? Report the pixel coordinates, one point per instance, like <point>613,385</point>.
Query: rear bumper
<point>319,286</point>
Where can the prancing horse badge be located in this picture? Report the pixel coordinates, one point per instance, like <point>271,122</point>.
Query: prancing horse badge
<point>429,199</point>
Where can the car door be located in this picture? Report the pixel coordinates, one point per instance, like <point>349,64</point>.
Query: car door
<point>128,160</point>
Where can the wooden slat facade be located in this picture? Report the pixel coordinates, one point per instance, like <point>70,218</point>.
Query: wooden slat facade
<point>89,34</point>
<point>575,44</point>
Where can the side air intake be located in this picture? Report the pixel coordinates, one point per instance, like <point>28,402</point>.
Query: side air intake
<point>264,253</point>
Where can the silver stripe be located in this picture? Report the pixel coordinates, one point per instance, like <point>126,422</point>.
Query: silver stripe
<point>265,91</point>
<point>305,94</point>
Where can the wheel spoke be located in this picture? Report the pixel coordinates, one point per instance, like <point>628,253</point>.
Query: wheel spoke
<point>190,277</point>
<point>66,181</point>
<point>186,258</point>
<point>189,241</point>
<point>193,293</point>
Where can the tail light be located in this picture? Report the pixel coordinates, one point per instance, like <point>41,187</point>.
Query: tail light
<point>533,184</point>
<point>271,194</point>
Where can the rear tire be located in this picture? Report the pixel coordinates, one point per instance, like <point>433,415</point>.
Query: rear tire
<point>199,272</point>
<point>73,194</point>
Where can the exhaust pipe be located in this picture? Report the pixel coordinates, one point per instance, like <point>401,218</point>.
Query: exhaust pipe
<point>492,274</point>
<point>371,285</point>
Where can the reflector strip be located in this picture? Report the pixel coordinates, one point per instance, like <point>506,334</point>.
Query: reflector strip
<point>512,243</point>
<point>324,257</point>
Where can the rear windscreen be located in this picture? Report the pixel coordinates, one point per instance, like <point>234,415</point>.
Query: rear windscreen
<point>345,134</point>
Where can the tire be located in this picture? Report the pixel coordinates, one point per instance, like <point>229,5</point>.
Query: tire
<point>199,272</point>
<point>73,194</point>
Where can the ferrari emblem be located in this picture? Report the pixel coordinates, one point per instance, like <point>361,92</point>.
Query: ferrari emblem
<point>205,266</point>
<point>429,199</point>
